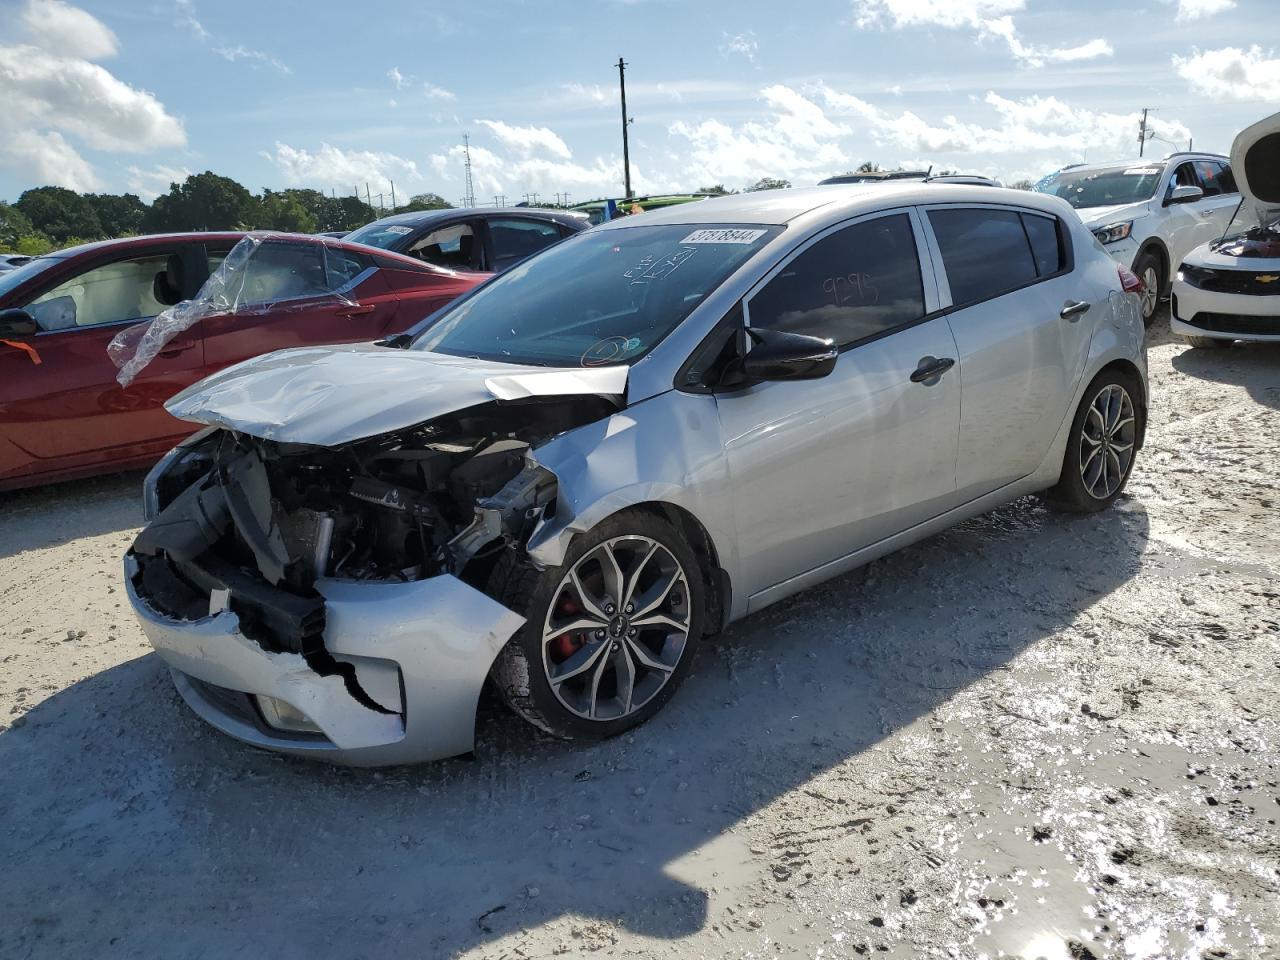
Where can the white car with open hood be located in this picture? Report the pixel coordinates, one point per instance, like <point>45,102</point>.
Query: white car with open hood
<point>565,480</point>
<point>1229,289</point>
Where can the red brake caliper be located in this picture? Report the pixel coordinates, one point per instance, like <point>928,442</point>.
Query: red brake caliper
<point>567,644</point>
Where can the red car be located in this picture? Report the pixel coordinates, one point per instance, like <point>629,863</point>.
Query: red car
<point>63,414</point>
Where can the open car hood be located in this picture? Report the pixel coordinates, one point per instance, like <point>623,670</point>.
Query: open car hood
<point>1255,161</point>
<point>329,396</point>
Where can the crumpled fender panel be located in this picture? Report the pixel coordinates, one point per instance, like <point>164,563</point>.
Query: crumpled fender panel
<point>439,635</point>
<point>635,457</point>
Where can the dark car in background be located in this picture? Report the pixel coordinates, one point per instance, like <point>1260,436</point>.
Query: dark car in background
<point>64,414</point>
<point>477,239</point>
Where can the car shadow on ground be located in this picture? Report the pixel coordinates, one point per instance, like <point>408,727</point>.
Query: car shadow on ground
<point>1254,366</point>
<point>131,828</point>
<point>59,512</point>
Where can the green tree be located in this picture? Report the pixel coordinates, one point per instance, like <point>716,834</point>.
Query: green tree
<point>868,166</point>
<point>285,211</point>
<point>346,213</point>
<point>717,190</point>
<point>425,201</point>
<point>768,183</point>
<point>1020,185</point>
<point>14,227</point>
<point>60,213</point>
<point>204,201</point>
<point>120,214</point>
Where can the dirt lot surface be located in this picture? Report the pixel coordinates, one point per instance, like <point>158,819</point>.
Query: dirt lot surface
<point>1032,736</point>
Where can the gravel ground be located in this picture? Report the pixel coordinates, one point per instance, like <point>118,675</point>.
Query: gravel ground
<point>1032,736</point>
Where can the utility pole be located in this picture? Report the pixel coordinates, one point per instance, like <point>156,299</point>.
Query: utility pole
<point>626,121</point>
<point>393,196</point>
<point>368,195</point>
<point>470,199</point>
<point>1142,133</point>
<point>499,199</point>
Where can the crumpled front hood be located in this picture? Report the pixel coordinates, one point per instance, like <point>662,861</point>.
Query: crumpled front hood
<point>1101,216</point>
<point>333,395</point>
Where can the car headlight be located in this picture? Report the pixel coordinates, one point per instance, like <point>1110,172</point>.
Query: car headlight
<point>1114,232</point>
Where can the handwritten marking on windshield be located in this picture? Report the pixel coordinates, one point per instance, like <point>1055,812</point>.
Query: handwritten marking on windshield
<point>657,268</point>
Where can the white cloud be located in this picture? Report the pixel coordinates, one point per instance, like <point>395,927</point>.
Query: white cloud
<point>527,140</point>
<point>1189,10</point>
<point>593,94</point>
<point>149,184</point>
<point>742,44</point>
<point>187,17</point>
<point>798,138</point>
<point>398,79</point>
<point>61,28</point>
<point>1231,73</point>
<point>515,176</point>
<point>1028,125</point>
<point>989,18</point>
<point>331,166</point>
<point>432,92</point>
<point>923,13</point>
<point>52,98</point>
<point>241,52</point>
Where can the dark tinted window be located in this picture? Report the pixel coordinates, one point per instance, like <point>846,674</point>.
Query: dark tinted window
<point>985,252</point>
<point>513,240</point>
<point>1184,176</point>
<point>1210,177</point>
<point>1046,246</point>
<point>1224,178</point>
<point>854,284</point>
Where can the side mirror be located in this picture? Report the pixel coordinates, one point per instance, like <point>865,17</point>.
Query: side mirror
<point>1187,193</point>
<point>16,322</point>
<point>778,355</point>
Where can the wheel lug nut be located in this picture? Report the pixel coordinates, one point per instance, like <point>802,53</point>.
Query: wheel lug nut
<point>632,632</point>
<point>610,609</point>
<point>599,634</point>
<point>616,646</point>
<point>631,608</point>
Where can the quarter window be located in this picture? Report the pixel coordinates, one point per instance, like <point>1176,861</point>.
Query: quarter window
<point>513,240</point>
<point>985,252</point>
<point>113,293</point>
<point>850,286</point>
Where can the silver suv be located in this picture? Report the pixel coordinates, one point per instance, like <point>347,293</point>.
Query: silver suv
<point>1149,214</point>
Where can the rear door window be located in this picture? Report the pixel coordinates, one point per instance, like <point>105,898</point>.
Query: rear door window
<point>985,252</point>
<point>453,246</point>
<point>852,285</point>
<point>515,239</point>
<point>284,271</point>
<point>1046,243</point>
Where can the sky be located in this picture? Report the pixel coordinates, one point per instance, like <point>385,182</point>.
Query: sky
<point>103,95</point>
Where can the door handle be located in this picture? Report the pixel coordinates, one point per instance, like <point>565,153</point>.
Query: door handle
<point>172,349</point>
<point>931,368</point>
<point>359,310</point>
<point>1073,311</point>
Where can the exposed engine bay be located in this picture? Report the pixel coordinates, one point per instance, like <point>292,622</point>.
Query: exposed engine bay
<point>252,524</point>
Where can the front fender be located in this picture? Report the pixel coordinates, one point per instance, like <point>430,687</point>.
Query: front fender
<point>667,449</point>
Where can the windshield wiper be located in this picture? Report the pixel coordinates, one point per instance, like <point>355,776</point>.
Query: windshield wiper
<point>397,341</point>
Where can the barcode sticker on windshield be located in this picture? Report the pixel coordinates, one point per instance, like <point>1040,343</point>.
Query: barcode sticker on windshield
<point>724,236</point>
<point>1141,171</point>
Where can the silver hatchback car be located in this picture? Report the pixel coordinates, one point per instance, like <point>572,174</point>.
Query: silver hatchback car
<point>566,480</point>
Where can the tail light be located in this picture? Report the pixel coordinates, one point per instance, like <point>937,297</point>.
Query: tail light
<point>1128,279</point>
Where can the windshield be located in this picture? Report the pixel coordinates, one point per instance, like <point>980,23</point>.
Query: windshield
<point>597,298</point>
<point>1107,187</point>
<point>12,279</point>
<point>383,235</point>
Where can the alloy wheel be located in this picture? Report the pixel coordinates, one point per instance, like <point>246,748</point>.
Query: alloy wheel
<point>1107,439</point>
<point>616,628</point>
<point>1150,292</point>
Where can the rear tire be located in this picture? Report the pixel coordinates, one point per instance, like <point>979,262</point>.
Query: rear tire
<point>1151,272</point>
<point>607,675</point>
<point>1101,447</point>
<point>1207,343</point>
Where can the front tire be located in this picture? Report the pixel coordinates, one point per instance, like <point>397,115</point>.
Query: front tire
<point>1101,446</point>
<point>1207,343</point>
<point>609,635</point>
<point>1150,271</point>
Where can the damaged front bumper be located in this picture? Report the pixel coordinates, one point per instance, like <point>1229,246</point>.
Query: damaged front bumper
<point>419,653</point>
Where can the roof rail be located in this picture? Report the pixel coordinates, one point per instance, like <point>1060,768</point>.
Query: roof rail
<point>1195,153</point>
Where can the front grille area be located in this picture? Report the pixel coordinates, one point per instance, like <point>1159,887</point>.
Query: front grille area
<point>1251,283</point>
<point>1237,323</point>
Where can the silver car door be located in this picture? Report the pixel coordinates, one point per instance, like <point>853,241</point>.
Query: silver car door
<point>821,468</point>
<point>1187,224</point>
<point>1022,334</point>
